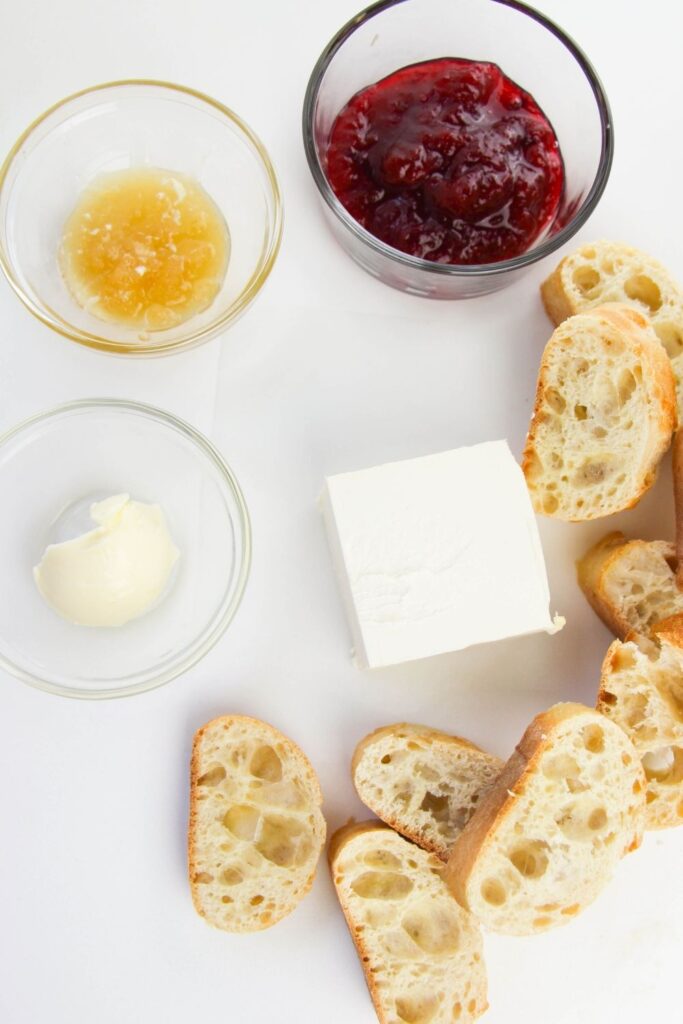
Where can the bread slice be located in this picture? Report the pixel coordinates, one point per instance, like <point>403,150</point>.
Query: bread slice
<point>256,829</point>
<point>641,689</point>
<point>422,782</point>
<point>631,584</point>
<point>604,414</point>
<point>421,953</point>
<point>611,272</point>
<point>546,838</point>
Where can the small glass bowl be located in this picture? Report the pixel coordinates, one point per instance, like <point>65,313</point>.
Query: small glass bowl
<point>52,467</point>
<point>531,50</point>
<point>128,124</point>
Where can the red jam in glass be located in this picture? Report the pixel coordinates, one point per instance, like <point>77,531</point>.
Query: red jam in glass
<point>448,160</point>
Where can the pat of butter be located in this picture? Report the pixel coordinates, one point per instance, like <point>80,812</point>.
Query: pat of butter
<point>111,574</point>
<point>436,554</point>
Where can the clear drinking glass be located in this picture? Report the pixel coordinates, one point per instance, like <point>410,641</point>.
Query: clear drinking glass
<point>531,50</point>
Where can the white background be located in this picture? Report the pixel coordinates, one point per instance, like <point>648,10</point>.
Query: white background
<point>330,371</point>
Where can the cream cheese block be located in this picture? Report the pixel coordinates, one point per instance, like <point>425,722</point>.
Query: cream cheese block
<point>436,554</point>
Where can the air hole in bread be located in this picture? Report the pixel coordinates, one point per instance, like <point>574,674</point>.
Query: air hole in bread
<point>593,739</point>
<point>559,766</point>
<point>416,1009</point>
<point>626,386</point>
<point>586,279</point>
<point>580,412</point>
<point>641,288</point>
<point>203,877</point>
<point>597,819</point>
<point>457,1011</point>
<point>671,338</point>
<point>433,928</point>
<point>590,473</point>
<point>255,901</point>
<point>550,504</point>
<point>266,765</point>
<point>637,786</point>
<point>555,400</point>
<point>530,859</point>
<point>232,876</point>
<point>437,806</point>
<point>664,765</point>
<point>599,432</point>
<point>386,759</point>
<point>213,776</point>
<point>242,821</point>
<point>376,885</point>
<point>534,467</point>
<point>412,864</point>
<point>542,922</point>
<point>283,842</point>
<point>382,859</point>
<point>493,892</point>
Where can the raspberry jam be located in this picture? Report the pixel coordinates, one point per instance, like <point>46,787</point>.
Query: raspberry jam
<point>448,160</point>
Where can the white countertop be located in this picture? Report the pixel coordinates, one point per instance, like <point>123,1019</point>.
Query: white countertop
<point>330,371</point>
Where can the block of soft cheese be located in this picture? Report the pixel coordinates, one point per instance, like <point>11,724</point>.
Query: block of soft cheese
<point>438,553</point>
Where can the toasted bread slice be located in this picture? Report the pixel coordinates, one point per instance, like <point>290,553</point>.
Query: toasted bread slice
<point>610,272</point>
<point>256,829</point>
<point>631,584</point>
<point>422,782</point>
<point>421,953</point>
<point>641,689</point>
<point>604,414</point>
<point>547,836</point>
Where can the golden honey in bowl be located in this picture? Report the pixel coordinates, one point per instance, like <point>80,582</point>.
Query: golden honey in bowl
<point>146,248</point>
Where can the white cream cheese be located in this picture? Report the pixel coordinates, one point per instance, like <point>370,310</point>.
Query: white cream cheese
<point>111,574</point>
<point>436,554</point>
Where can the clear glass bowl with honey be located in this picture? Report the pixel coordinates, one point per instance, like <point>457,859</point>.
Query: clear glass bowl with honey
<point>138,217</point>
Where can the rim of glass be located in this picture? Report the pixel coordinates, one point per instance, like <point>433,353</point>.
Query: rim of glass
<point>445,269</point>
<point>227,610</point>
<point>246,296</point>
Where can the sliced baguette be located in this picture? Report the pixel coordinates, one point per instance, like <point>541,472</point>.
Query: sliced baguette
<point>604,414</point>
<point>424,783</point>
<point>421,953</point>
<point>631,584</point>
<point>610,272</point>
<point>641,689</point>
<point>547,836</point>
<point>256,829</point>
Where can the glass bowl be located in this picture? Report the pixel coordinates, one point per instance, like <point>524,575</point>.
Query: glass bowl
<point>110,128</point>
<point>530,49</point>
<point>52,467</point>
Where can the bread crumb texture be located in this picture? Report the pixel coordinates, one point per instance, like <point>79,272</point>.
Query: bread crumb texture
<point>256,828</point>
<point>631,584</point>
<point>421,952</point>
<point>611,272</point>
<point>422,782</point>
<point>603,416</point>
<point>641,689</point>
<point>537,855</point>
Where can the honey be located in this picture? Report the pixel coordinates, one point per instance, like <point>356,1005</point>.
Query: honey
<point>145,248</point>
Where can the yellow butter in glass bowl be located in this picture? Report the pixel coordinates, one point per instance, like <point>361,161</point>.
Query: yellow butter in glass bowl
<point>145,247</point>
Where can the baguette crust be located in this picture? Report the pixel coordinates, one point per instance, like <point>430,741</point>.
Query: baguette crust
<point>641,690</point>
<point>603,417</point>
<point>255,830</point>
<point>422,782</point>
<point>503,862</point>
<point>421,953</point>
<point>630,584</point>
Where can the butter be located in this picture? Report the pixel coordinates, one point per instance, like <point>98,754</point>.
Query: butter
<point>113,573</point>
